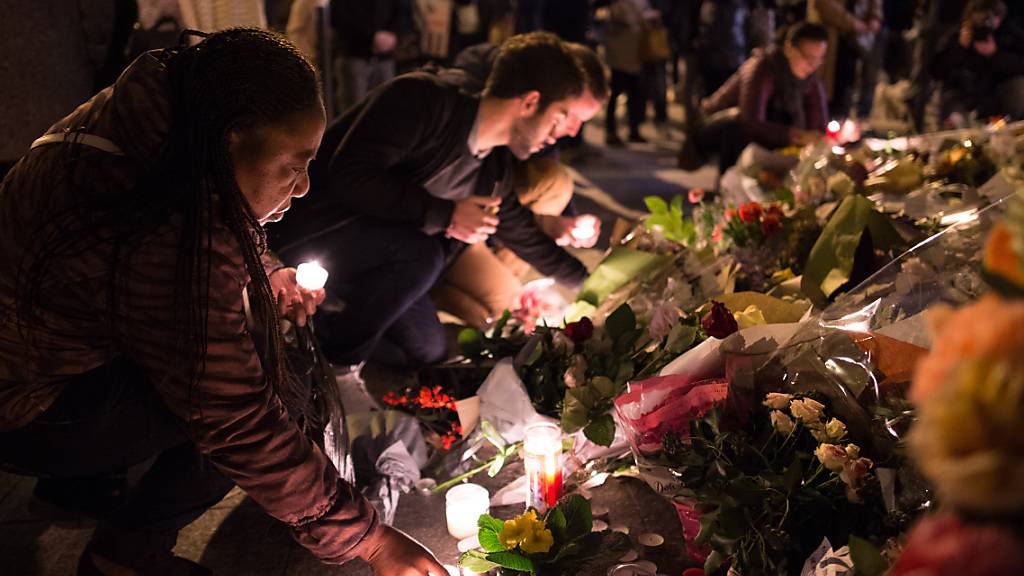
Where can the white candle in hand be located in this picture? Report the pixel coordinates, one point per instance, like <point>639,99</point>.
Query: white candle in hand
<point>311,276</point>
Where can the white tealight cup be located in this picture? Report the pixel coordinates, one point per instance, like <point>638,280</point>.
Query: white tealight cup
<point>310,275</point>
<point>463,506</point>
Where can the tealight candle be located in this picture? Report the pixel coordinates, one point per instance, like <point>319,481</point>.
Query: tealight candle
<point>463,506</point>
<point>311,276</point>
<point>542,447</point>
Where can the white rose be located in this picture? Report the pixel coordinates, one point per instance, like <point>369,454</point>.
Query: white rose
<point>807,410</point>
<point>777,400</point>
<point>782,422</point>
<point>852,451</point>
<point>831,456</point>
<point>835,429</point>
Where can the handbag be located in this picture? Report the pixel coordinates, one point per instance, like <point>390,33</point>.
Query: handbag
<point>654,44</point>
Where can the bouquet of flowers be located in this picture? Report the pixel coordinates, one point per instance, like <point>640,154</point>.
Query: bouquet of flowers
<point>771,487</point>
<point>434,408</point>
<point>559,543</point>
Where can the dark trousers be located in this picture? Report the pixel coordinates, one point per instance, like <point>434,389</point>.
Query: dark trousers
<point>722,134</point>
<point>104,422</point>
<point>632,86</point>
<point>378,304</point>
<point>655,77</point>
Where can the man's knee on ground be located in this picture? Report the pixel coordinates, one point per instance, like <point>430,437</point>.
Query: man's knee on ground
<point>544,186</point>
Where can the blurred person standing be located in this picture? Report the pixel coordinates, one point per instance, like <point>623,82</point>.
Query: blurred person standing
<point>626,23</point>
<point>934,19</point>
<point>364,40</point>
<point>721,41</point>
<point>853,27</point>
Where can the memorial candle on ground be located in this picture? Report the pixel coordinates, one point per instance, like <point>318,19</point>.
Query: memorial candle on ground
<point>464,504</point>
<point>542,447</point>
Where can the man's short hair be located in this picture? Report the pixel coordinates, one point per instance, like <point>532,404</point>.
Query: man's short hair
<point>593,68</point>
<point>805,31</point>
<point>995,7</point>
<point>535,61</point>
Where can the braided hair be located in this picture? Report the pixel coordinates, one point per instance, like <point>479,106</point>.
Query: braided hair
<point>235,80</point>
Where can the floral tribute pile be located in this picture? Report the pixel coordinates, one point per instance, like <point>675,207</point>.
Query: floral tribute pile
<point>768,365</point>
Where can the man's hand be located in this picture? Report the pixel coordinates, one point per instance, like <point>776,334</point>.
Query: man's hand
<point>966,35</point>
<point>384,42</point>
<point>293,301</point>
<point>986,47</point>
<point>474,219</point>
<point>576,231</point>
<point>392,553</point>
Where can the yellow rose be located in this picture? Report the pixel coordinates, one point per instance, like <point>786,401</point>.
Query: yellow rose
<point>750,316</point>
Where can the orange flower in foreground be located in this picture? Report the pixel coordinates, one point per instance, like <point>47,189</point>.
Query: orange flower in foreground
<point>989,328</point>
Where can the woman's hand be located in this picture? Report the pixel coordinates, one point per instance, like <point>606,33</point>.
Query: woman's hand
<point>293,301</point>
<point>392,553</point>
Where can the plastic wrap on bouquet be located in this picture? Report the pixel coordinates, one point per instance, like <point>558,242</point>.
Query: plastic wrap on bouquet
<point>648,411</point>
<point>738,187</point>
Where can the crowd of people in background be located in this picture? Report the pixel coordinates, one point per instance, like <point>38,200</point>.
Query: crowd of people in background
<point>967,56</point>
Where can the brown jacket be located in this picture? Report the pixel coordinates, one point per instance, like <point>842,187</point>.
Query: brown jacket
<point>237,421</point>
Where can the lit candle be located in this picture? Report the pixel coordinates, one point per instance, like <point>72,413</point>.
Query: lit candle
<point>310,275</point>
<point>542,445</point>
<point>584,229</point>
<point>463,506</point>
<point>832,130</point>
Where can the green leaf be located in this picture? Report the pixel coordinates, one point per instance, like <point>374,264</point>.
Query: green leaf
<point>512,560</point>
<point>578,518</point>
<point>557,523</point>
<point>713,563</point>
<point>496,465</point>
<point>620,322</point>
<point>656,205</point>
<point>488,536</point>
<point>677,205</point>
<point>601,430</point>
<point>681,338</point>
<point>477,562</point>
<point>867,558</point>
<point>500,324</point>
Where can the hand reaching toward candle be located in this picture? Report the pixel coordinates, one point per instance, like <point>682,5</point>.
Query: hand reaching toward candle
<point>576,231</point>
<point>392,553</point>
<point>294,301</point>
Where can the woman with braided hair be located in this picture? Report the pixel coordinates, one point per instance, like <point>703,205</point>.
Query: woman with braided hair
<point>132,268</point>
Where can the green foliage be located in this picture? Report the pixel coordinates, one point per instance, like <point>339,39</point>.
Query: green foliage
<point>575,546</point>
<point>669,220</point>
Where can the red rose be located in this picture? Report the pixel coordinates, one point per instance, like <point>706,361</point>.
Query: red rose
<point>696,195</point>
<point>693,572</point>
<point>751,212</point>
<point>719,321</point>
<point>579,331</point>
<point>770,224</point>
<point>774,210</point>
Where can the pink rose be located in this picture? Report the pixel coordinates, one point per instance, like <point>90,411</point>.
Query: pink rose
<point>664,317</point>
<point>696,195</point>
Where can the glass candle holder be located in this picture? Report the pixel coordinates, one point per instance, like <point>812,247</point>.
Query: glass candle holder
<point>542,447</point>
<point>463,506</point>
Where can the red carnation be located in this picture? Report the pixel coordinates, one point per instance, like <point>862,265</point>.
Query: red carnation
<point>579,331</point>
<point>719,321</point>
<point>751,212</point>
<point>770,224</point>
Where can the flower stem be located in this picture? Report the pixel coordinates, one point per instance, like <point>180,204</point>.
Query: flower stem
<point>464,476</point>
